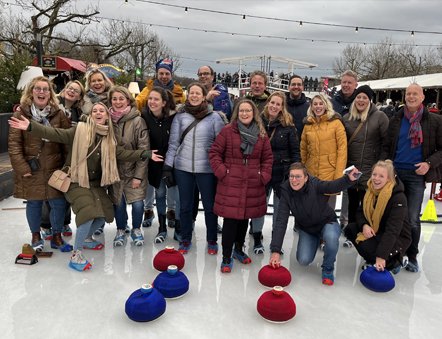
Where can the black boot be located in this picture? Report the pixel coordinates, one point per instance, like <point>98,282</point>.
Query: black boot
<point>258,248</point>
<point>162,230</point>
<point>177,234</point>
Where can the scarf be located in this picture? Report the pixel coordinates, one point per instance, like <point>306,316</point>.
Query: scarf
<point>415,132</point>
<point>249,136</point>
<point>169,85</point>
<point>80,148</point>
<point>374,209</point>
<point>116,115</point>
<point>96,97</point>
<point>40,115</point>
<point>199,111</point>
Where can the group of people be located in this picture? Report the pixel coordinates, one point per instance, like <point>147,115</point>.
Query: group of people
<point>234,158</point>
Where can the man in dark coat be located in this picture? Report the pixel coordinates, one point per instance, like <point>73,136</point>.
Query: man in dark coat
<point>297,102</point>
<point>414,144</point>
<point>343,99</point>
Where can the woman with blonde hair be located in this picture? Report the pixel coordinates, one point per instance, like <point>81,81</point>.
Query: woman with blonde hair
<point>131,132</point>
<point>241,159</point>
<point>366,128</point>
<point>324,142</point>
<point>382,232</point>
<point>284,142</point>
<point>35,159</point>
<point>93,154</point>
<point>97,86</point>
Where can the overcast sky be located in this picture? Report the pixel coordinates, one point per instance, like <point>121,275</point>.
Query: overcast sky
<point>410,15</point>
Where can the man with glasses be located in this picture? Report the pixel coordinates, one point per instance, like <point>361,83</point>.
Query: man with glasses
<point>217,94</point>
<point>297,102</point>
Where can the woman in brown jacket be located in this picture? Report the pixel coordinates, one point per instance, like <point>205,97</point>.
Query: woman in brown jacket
<point>35,159</point>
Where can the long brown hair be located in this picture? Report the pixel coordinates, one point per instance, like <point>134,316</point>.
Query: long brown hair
<point>284,116</point>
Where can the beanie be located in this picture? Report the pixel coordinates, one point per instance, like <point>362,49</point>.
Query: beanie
<point>164,63</point>
<point>365,89</point>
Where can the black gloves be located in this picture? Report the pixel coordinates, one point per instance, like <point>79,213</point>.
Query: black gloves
<point>168,176</point>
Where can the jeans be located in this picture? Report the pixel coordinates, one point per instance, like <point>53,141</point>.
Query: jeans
<point>344,218</point>
<point>258,223</point>
<point>308,245</point>
<point>171,194</point>
<point>414,191</point>
<point>85,231</point>
<point>121,213</point>
<point>56,215</point>
<point>151,196</point>
<point>206,183</point>
<point>45,221</point>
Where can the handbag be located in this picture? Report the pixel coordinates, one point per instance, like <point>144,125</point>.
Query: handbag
<point>60,180</point>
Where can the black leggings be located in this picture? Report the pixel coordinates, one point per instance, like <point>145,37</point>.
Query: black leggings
<point>367,248</point>
<point>234,232</point>
<point>355,198</point>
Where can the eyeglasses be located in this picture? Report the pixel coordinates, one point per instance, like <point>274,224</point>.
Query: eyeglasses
<point>297,177</point>
<point>72,89</point>
<point>40,89</point>
<point>204,74</point>
<point>245,110</point>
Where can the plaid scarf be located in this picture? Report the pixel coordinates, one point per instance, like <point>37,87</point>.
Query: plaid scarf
<point>415,132</point>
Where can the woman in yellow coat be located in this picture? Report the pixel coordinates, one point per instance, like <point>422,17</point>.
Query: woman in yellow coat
<point>324,142</point>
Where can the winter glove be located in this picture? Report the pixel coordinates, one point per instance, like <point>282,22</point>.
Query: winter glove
<point>168,176</point>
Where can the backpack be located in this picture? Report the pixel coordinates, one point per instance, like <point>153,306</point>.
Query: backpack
<point>222,101</point>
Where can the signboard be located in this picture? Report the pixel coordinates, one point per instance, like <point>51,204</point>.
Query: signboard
<point>49,62</point>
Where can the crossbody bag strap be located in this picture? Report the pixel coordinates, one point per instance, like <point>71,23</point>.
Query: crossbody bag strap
<point>353,136</point>
<point>188,128</point>
<point>70,167</point>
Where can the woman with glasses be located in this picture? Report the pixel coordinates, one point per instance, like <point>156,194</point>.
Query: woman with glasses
<point>241,158</point>
<point>35,159</point>
<point>193,131</point>
<point>303,196</point>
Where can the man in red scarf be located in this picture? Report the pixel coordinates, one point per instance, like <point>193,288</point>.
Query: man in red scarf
<point>415,146</point>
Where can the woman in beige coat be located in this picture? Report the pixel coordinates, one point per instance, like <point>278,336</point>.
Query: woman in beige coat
<point>324,142</point>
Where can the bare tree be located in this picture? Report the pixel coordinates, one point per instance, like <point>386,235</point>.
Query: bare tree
<point>388,60</point>
<point>47,19</point>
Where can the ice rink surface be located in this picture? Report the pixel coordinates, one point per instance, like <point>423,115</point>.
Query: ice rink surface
<point>50,300</point>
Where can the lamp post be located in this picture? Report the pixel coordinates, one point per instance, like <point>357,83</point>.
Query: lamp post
<point>39,47</point>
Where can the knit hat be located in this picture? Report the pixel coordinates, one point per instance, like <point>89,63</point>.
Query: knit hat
<point>364,89</point>
<point>377,281</point>
<point>164,63</point>
<point>270,277</point>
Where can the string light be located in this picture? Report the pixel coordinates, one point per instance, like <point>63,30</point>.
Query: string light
<point>261,36</point>
<point>185,9</point>
<point>290,20</point>
<point>412,33</point>
<point>357,29</point>
<point>244,17</point>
